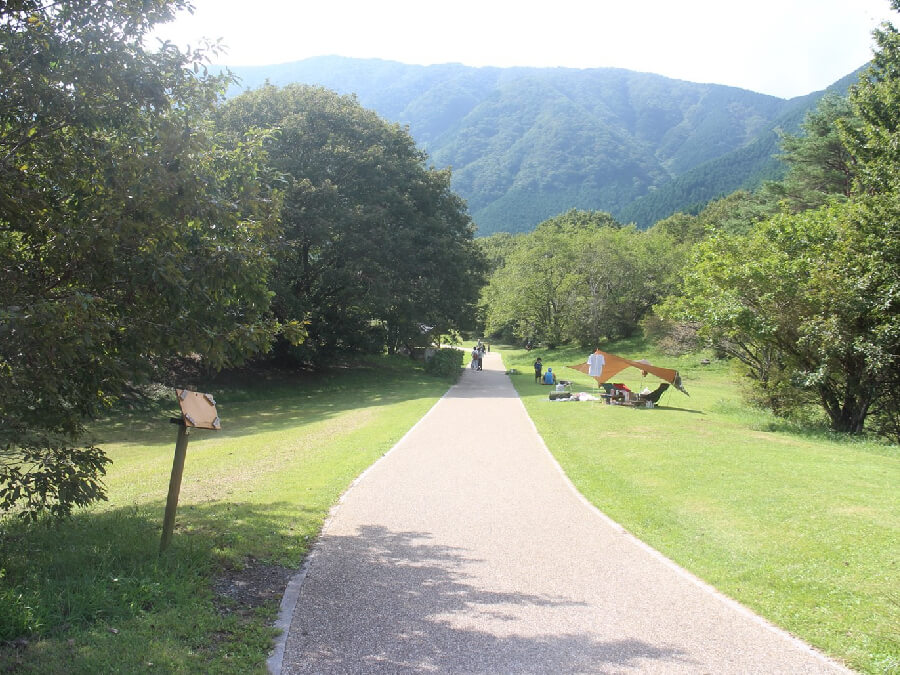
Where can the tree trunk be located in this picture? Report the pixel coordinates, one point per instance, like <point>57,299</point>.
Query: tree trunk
<point>848,416</point>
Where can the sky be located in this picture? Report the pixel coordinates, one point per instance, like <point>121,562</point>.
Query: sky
<point>784,48</point>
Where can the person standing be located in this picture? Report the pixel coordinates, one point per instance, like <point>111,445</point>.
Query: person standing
<point>538,367</point>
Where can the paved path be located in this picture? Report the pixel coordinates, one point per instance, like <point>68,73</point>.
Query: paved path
<point>466,550</point>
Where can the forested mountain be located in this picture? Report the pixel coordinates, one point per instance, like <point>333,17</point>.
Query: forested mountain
<point>744,168</point>
<point>528,143</point>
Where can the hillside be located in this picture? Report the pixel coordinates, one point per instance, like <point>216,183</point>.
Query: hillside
<point>528,143</point>
<point>745,168</point>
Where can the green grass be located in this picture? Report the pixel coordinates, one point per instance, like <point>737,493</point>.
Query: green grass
<point>797,523</point>
<point>93,594</point>
<point>801,525</point>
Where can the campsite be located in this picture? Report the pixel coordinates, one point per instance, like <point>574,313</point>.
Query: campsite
<point>289,279</point>
<point>739,497</point>
<point>757,500</point>
<point>604,367</point>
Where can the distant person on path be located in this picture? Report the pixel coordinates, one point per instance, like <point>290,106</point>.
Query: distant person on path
<point>538,367</point>
<point>480,351</point>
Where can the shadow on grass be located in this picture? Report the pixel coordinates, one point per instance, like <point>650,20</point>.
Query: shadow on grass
<point>675,408</point>
<point>103,600</point>
<point>103,566</point>
<point>93,594</point>
<point>388,601</point>
<point>272,401</point>
<point>277,402</point>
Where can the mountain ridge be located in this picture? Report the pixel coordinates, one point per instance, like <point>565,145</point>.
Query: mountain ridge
<point>527,143</point>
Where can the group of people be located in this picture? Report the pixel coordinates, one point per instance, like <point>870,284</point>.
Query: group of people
<point>478,355</point>
<point>546,378</point>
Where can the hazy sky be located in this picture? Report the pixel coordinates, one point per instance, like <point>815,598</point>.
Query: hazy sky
<point>780,47</point>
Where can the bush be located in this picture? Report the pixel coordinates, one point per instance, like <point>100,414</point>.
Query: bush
<point>446,363</point>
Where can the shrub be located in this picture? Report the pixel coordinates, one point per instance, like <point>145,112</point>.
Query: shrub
<point>445,363</point>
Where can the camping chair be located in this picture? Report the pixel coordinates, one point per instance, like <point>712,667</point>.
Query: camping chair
<point>656,393</point>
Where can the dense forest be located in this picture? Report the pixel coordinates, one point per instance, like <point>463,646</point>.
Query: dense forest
<point>528,143</point>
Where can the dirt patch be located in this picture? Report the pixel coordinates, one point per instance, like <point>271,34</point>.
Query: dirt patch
<point>254,585</point>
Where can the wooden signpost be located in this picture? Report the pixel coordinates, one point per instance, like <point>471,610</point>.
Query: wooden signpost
<point>198,411</point>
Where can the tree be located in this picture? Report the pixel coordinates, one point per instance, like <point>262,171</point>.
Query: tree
<point>618,276</point>
<point>531,293</point>
<point>375,246</point>
<point>737,213</point>
<point>873,139</point>
<point>808,302</point>
<point>127,234</point>
<point>819,165</point>
<point>496,251</point>
<point>580,277</point>
<point>681,227</point>
<point>874,143</point>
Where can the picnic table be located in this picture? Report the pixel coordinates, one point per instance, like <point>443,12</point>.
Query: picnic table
<point>629,398</point>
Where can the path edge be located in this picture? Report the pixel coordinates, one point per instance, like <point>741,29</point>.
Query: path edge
<point>678,569</point>
<point>275,662</point>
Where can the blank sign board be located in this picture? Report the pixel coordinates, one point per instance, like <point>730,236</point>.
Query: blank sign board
<point>198,410</point>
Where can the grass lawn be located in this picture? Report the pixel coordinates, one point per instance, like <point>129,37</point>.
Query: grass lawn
<point>93,594</point>
<point>802,526</point>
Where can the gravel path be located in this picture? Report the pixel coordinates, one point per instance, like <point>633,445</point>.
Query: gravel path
<point>466,550</point>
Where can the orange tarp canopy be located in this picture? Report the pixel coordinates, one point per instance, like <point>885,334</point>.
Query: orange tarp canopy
<point>613,365</point>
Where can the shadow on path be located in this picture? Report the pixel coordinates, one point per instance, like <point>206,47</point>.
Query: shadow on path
<point>407,605</point>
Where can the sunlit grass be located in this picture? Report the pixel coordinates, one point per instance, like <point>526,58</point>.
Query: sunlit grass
<point>93,595</point>
<point>801,525</point>
<point>797,523</point>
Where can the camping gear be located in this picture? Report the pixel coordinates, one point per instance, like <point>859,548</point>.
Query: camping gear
<point>603,366</point>
<point>656,393</point>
